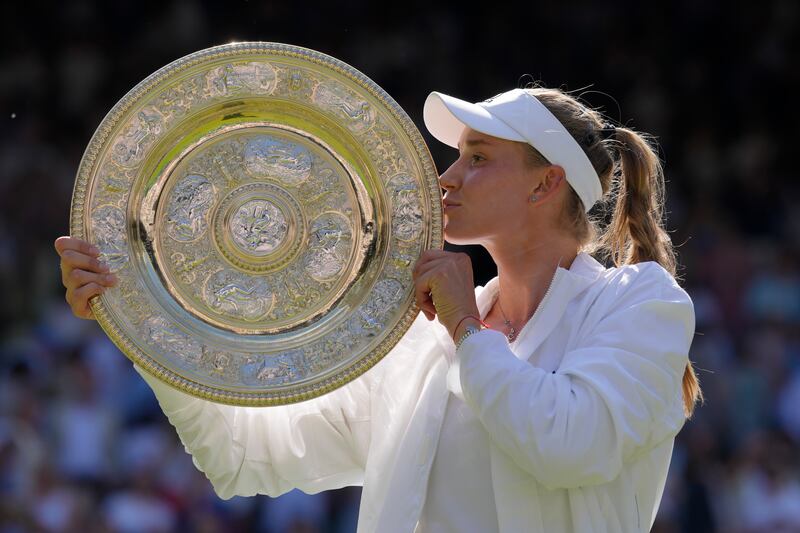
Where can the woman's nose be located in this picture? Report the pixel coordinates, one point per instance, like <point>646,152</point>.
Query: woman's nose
<point>449,178</point>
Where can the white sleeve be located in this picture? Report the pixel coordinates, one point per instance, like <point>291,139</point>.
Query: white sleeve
<point>315,445</point>
<point>616,395</point>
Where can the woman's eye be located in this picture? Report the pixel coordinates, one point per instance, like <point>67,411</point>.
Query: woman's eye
<point>476,158</point>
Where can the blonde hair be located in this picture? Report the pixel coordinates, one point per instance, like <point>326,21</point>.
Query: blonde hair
<point>633,182</point>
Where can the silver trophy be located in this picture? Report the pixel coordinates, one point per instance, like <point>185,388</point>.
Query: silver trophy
<point>262,206</point>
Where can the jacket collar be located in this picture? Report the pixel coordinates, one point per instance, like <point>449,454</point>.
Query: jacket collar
<point>566,285</point>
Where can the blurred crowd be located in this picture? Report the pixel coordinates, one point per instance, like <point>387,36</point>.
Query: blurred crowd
<point>83,444</point>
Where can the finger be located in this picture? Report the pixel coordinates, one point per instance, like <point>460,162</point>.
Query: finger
<point>83,310</point>
<point>430,255</point>
<point>74,259</point>
<point>436,256</point>
<point>78,278</point>
<point>72,243</point>
<point>429,315</point>
<point>80,299</point>
<point>85,313</point>
<point>434,253</point>
<point>424,268</point>
<point>422,294</point>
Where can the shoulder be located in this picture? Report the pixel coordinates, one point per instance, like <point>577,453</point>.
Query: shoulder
<point>644,294</point>
<point>639,306</point>
<point>646,280</point>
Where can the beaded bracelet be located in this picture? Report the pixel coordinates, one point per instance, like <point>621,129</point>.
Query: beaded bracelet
<point>484,324</point>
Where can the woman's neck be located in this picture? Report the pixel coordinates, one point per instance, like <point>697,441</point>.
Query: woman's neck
<point>525,274</point>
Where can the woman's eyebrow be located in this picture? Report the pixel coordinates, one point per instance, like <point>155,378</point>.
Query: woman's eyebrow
<point>475,142</point>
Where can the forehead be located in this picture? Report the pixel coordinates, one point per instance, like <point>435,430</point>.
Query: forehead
<point>471,138</point>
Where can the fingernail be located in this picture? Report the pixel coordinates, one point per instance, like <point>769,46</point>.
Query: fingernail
<point>94,250</point>
<point>110,278</point>
<point>104,267</point>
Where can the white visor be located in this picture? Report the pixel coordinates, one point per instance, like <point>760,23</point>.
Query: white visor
<point>515,115</point>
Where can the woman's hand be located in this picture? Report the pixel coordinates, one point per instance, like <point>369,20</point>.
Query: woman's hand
<point>82,274</point>
<point>444,286</point>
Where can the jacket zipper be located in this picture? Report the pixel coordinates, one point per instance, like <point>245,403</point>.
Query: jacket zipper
<point>546,294</point>
<point>541,304</point>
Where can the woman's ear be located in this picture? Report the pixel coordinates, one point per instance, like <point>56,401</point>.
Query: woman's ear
<point>551,181</point>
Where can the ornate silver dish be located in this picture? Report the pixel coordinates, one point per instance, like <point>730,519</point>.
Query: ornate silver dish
<point>262,206</point>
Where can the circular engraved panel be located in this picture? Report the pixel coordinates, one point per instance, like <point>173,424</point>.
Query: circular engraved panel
<point>262,206</point>
<point>188,206</point>
<point>258,227</point>
<point>266,157</point>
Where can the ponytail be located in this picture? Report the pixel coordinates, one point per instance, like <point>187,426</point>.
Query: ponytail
<point>636,231</point>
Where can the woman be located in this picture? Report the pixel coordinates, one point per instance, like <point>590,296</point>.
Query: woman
<point>547,400</point>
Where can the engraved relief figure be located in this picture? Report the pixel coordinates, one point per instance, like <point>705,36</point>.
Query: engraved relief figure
<point>215,83</point>
<point>108,227</point>
<point>386,152</point>
<point>163,335</point>
<point>191,90</point>
<point>268,157</point>
<point>402,261</point>
<point>218,364</point>
<point>131,293</point>
<point>179,99</point>
<point>273,369</point>
<point>325,190</point>
<point>359,114</point>
<point>189,203</point>
<point>406,208</point>
<point>324,354</point>
<point>172,103</point>
<point>280,372</point>
<point>298,84</point>
<point>296,80</point>
<point>258,77</point>
<point>345,341</point>
<point>185,265</point>
<point>115,179</point>
<point>297,296</point>
<point>258,227</point>
<point>142,129</point>
<point>229,293</point>
<point>384,297</point>
<point>223,163</point>
<point>328,247</point>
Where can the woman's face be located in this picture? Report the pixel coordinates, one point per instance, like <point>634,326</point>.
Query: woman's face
<point>491,181</point>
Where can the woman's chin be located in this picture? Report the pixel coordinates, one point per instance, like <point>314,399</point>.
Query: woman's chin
<point>458,239</point>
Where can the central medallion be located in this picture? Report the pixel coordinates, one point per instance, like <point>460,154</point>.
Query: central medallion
<point>258,227</point>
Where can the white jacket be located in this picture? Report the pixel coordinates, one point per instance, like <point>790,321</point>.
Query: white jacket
<point>582,410</point>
